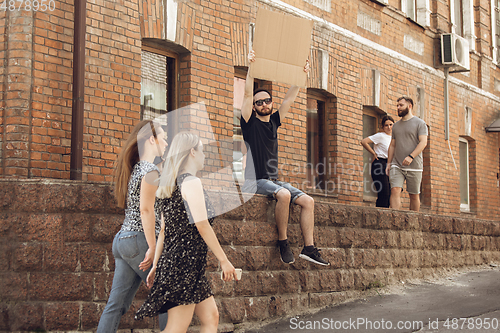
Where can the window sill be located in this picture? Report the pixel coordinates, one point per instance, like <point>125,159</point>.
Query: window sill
<point>369,199</point>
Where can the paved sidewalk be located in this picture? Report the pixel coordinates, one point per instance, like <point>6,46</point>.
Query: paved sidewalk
<point>472,298</point>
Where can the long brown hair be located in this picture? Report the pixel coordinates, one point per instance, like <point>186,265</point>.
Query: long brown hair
<point>129,156</point>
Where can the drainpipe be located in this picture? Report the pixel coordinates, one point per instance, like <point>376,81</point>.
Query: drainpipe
<point>446,104</point>
<point>447,112</point>
<point>78,90</point>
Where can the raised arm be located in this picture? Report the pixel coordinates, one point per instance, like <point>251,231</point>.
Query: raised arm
<point>192,192</point>
<point>290,96</point>
<point>246,106</point>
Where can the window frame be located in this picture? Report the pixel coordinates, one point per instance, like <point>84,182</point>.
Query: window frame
<point>322,149</point>
<point>173,96</point>
<point>404,9</point>
<point>457,27</point>
<point>421,9</point>
<point>173,80</point>
<point>495,30</point>
<point>465,207</point>
<point>368,111</point>
<point>467,27</point>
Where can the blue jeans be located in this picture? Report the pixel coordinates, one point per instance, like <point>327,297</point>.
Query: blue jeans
<point>129,249</point>
<point>269,188</point>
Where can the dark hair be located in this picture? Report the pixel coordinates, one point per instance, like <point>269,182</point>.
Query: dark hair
<point>255,92</point>
<point>408,99</point>
<point>129,156</point>
<point>385,118</point>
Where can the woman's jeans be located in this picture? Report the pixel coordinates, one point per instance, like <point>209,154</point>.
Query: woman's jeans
<point>129,249</point>
<point>381,183</point>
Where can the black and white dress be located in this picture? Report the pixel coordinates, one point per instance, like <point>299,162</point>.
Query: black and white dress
<point>180,273</point>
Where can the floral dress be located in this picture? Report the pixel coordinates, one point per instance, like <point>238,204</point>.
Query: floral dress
<point>180,274</point>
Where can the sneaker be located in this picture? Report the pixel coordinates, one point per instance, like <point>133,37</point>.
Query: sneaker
<point>286,252</point>
<point>313,256</point>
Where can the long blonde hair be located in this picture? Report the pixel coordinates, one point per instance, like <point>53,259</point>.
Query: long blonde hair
<point>130,155</point>
<point>176,159</point>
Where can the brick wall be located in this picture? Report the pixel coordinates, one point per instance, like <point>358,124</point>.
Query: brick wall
<point>112,83</point>
<point>210,39</point>
<point>56,265</point>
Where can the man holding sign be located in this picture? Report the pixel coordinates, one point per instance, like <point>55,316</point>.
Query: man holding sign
<point>259,125</point>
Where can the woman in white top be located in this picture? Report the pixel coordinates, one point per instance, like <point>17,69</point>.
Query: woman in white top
<point>381,142</point>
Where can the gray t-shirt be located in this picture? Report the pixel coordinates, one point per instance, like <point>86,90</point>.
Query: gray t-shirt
<point>406,134</point>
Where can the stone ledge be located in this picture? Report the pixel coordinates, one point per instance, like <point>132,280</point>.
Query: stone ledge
<point>55,255</point>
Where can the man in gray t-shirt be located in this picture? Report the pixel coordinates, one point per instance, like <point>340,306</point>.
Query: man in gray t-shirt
<point>404,162</point>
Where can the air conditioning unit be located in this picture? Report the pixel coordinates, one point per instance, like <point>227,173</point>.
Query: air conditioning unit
<point>455,51</point>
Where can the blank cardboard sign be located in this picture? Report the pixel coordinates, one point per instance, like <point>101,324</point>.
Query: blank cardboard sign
<point>282,45</point>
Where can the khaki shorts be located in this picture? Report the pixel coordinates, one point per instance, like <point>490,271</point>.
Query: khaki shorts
<point>397,177</point>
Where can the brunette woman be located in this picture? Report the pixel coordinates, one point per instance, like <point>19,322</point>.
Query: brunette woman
<point>134,245</point>
<point>381,142</point>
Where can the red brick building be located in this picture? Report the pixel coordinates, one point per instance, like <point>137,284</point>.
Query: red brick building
<point>146,58</point>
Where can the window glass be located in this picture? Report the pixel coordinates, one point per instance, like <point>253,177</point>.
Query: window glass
<point>154,85</point>
<point>458,16</point>
<point>464,174</point>
<point>316,163</point>
<point>411,9</point>
<point>497,27</point>
<point>238,162</point>
<point>158,87</point>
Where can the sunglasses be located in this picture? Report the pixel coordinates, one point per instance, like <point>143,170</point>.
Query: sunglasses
<point>260,102</point>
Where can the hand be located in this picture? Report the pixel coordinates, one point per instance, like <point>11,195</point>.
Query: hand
<point>228,271</point>
<point>151,277</point>
<point>387,169</point>
<point>307,68</point>
<point>148,260</point>
<point>407,161</point>
<point>251,56</point>
<point>375,158</point>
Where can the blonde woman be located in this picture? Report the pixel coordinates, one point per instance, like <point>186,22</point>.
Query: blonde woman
<point>177,279</point>
<point>135,244</point>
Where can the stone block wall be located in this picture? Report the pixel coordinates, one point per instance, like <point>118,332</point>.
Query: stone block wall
<point>56,265</point>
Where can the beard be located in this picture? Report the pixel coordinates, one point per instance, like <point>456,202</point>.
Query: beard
<point>404,112</point>
<point>265,111</point>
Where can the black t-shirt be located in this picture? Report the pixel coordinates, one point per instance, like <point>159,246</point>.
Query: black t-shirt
<point>261,139</point>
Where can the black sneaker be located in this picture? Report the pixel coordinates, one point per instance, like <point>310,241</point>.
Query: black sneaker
<point>313,256</point>
<point>286,252</point>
